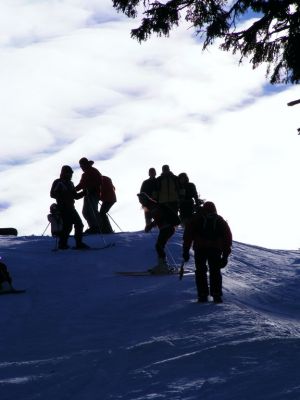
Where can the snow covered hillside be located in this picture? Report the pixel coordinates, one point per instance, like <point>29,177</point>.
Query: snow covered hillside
<point>82,332</point>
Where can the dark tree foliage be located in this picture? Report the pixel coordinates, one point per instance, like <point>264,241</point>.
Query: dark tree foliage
<point>273,37</point>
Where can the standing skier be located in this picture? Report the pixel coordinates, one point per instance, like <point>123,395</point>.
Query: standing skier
<point>166,220</point>
<point>90,182</point>
<point>108,198</point>
<point>212,241</point>
<point>65,194</point>
<point>189,200</point>
<point>149,187</point>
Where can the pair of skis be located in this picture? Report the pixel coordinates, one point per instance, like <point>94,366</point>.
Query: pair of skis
<point>174,271</point>
<point>107,246</point>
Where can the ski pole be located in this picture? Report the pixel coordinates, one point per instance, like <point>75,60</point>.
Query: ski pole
<point>181,271</point>
<point>114,222</point>
<point>45,229</point>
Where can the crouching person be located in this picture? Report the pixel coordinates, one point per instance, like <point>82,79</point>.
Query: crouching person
<point>166,220</point>
<point>212,240</point>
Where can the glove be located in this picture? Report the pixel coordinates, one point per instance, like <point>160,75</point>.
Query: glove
<point>186,255</point>
<point>223,262</point>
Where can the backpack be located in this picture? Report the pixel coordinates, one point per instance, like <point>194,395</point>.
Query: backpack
<point>107,190</point>
<point>210,229</point>
<point>55,220</point>
<point>169,215</point>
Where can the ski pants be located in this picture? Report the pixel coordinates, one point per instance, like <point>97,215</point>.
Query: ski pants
<point>70,217</point>
<point>105,226</point>
<point>208,259</point>
<point>164,235</point>
<point>90,210</point>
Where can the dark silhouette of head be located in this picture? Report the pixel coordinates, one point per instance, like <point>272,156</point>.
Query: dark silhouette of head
<point>85,163</point>
<point>152,172</point>
<point>183,178</point>
<point>165,169</point>
<point>66,172</point>
<point>209,208</point>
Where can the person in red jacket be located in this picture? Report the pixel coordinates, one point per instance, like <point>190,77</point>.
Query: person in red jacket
<point>166,220</point>
<point>90,183</point>
<point>108,198</point>
<point>212,240</point>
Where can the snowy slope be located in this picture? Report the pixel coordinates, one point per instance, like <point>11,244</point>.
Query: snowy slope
<point>81,332</point>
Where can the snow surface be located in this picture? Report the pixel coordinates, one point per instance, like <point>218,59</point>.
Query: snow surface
<point>82,332</point>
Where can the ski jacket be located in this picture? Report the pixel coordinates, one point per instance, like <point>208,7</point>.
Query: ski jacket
<point>162,217</point>
<point>167,189</point>
<point>107,190</point>
<point>207,231</point>
<point>90,181</point>
<point>188,192</point>
<point>149,187</point>
<point>64,193</point>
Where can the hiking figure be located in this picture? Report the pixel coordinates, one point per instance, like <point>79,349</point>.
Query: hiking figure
<point>149,187</point>
<point>166,220</point>
<point>167,189</point>
<point>5,279</point>
<point>189,201</point>
<point>212,240</point>
<point>108,198</point>
<point>90,183</point>
<point>63,191</point>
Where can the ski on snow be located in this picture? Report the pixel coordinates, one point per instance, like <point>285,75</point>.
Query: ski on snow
<point>148,273</point>
<point>107,246</point>
<point>15,291</point>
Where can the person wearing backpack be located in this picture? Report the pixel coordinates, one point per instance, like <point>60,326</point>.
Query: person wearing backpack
<point>63,191</point>
<point>108,198</point>
<point>189,201</point>
<point>167,189</point>
<point>211,238</point>
<point>166,220</point>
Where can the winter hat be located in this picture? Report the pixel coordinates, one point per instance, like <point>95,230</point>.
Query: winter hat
<point>183,175</point>
<point>66,169</point>
<point>209,207</point>
<point>85,161</point>
<point>145,200</point>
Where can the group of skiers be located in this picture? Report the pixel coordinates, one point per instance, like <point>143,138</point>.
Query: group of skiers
<point>93,188</point>
<point>169,201</point>
<point>177,192</point>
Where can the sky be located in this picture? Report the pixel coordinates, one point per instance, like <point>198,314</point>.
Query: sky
<point>82,332</point>
<point>74,84</point>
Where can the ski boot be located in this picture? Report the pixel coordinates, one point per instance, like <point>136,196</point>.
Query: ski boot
<point>161,268</point>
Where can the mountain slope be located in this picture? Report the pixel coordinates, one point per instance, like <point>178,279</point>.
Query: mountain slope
<point>83,332</point>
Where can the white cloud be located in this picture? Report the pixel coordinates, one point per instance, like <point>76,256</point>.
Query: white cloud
<point>85,88</point>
